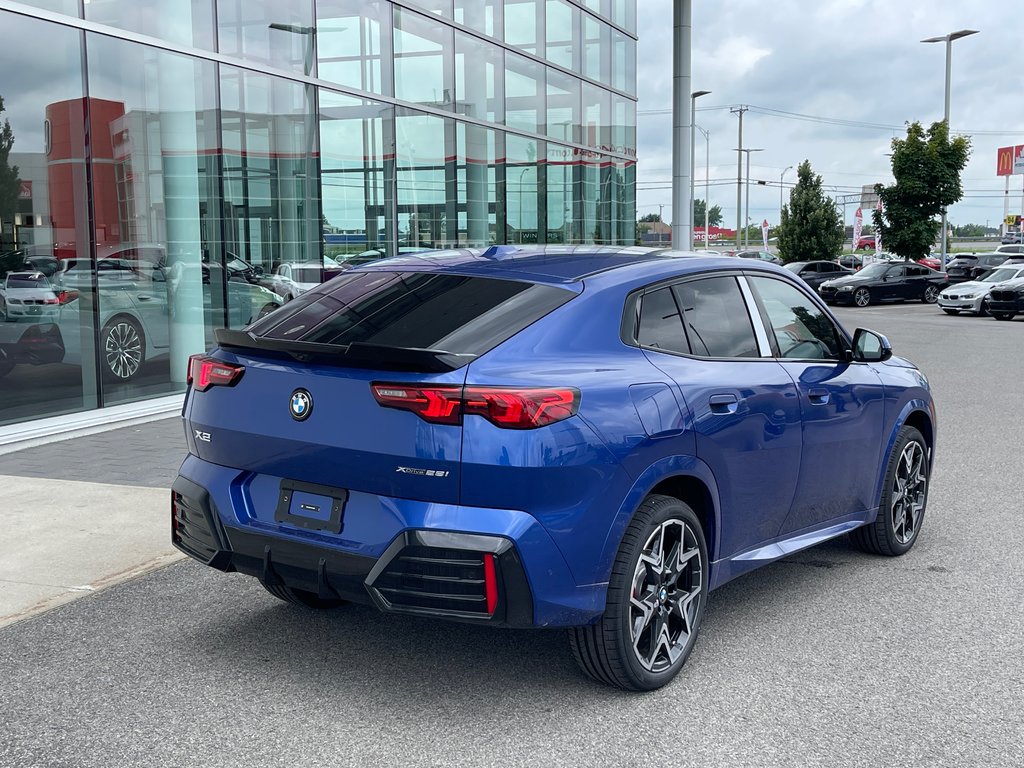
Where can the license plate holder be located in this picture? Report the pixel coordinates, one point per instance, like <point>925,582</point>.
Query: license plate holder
<point>311,506</point>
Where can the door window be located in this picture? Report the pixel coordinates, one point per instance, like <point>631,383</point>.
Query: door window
<point>661,327</point>
<point>802,331</point>
<point>716,319</point>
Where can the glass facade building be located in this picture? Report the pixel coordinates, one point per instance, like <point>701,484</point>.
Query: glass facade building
<point>168,167</point>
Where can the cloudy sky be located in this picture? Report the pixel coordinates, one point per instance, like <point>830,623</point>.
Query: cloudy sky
<point>851,61</point>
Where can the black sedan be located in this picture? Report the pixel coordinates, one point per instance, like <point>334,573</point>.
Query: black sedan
<point>885,281</point>
<point>814,273</point>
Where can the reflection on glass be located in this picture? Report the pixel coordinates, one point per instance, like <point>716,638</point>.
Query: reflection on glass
<point>522,25</point>
<point>439,7</point>
<point>563,34</point>
<point>482,15</point>
<point>596,42</point>
<point>355,178</point>
<point>476,213</point>
<point>275,32</point>
<point>597,107</point>
<point>185,22</point>
<point>524,93</point>
<point>623,190</point>
<point>47,352</point>
<point>562,185</point>
<point>478,79</point>
<point>421,172</point>
<point>563,117</point>
<point>523,195</point>
<point>423,60</point>
<point>354,43</point>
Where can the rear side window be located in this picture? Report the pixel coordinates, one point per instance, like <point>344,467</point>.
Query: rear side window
<point>716,319</point>
<point>413,310</point>
<point>661,326</point>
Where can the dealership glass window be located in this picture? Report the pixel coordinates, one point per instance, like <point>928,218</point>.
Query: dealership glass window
<point>479,82</point>
<point>595,228</point>
<point>623,125</point>
<point>353,40</point>
<point>439,7</point>
<point>156,196</point>
<point>47,351</point>
<point>69,7</point>
<point>185,22</point>
<point>524,93</point>
<point>563,34</point>
<point>355,180</point>
<point>482,15</point>
<point>597,106</point>
<point>596,44</point>
<point>563,115</point>
<point>424,68</point>
<point>562,195</point>
<point>476,203</point>
<point>524,186</point>
<point>275,32</point>
<point>623,65</point>
<point>623,202</point>
<point>421,152</point>
<point>523,25</point>
<point>271,177</point>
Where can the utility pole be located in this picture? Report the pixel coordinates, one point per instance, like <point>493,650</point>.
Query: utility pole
<point>682,131</point>
<point>739,172</point>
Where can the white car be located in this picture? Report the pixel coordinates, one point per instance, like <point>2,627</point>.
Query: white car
<point>28,296</point>
<point>292,280</point>
<point>972,295</point>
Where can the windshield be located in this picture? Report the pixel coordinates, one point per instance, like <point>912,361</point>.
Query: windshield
<point>1000,275</point>
<point>27,281</point>
<point>874,270</point>
<point>794,266</point>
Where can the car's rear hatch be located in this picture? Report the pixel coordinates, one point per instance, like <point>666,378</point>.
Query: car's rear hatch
<point>301,404</point>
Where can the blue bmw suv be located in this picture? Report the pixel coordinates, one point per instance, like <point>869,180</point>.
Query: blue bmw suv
<point>582,437</point>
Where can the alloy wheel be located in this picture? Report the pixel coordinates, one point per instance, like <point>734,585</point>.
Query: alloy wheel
<point>123,350</point>
<point>862,297</point>
<point>931,294</point>
<point>908,492</point>
<point>666,594</point>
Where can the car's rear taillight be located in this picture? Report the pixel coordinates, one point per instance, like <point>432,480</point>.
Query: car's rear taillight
<point>506,407</point>
<point>205,372</point>
<point>66,297</point>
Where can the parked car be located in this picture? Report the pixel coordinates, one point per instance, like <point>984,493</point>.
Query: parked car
<point>1010,249</point>
<point>296,279</point>
<point>1005,302</point>
<point>29,344</point>
<point>885,281</point>
<point>1011,238</point>
<point>932,262</point>
<point>593,441</point>
<point>762,255</point>
<point>971,266</point>
<point>866,241</point>
<point>814,273</point>
<point>28,296</point>
<point>850,262</point>
<point>972,296</point>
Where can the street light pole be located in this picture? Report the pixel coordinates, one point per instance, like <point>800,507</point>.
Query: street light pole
<point>693,122</point>
<point>746,214</point>
<point>781,176</point>
<point>707,184</point>
<point>948,40</point>
<point>682,133</point>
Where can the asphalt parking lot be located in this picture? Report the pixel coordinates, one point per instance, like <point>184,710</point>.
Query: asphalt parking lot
<point>828,658</point>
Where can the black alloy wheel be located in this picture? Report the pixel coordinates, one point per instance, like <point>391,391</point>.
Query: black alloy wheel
<point>862,297</point>
<point>656,598</point>
<point>904,498</point>
<point>931,294</point>
<point>123,348</point>
<point>302,597</point>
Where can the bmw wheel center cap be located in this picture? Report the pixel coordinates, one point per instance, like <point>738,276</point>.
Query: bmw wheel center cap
<point>301,405</point>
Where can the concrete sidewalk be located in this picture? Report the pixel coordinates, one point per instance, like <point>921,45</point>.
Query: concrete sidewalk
<point>80,515</point>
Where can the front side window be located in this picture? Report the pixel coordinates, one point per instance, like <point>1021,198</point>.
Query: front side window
<point>802,331</point>
<point>716,319</point>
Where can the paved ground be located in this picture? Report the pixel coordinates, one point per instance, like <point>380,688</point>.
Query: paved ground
<point>830,658</point>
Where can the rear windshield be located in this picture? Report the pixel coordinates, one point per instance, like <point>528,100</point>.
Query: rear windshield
<point>26,281</point>
<point>413,310</point>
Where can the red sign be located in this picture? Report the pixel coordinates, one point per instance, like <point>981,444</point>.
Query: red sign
<point>25,191</point>
<point>1010,160</point>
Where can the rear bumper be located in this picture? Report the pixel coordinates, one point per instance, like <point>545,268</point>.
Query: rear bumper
<point>504,571</point>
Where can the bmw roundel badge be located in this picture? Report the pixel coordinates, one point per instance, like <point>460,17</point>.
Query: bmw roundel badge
<point>301,405</point>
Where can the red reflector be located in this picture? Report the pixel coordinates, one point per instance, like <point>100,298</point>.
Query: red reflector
<point>490,583</point>
<point>205,372</point>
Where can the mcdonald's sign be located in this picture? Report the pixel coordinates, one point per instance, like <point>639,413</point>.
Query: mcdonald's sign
<point>1010,160</point>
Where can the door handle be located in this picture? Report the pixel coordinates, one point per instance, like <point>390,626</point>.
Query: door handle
<point>724,403</point>
<point>818,396</point>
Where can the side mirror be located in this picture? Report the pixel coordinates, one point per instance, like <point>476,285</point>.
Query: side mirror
<point>870,347</point>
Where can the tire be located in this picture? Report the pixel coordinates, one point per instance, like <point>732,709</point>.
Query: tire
<point>904,498</point>
<point>951,311</point>
<point>302,597</point>
<point>931,295</point>
<point>122,348</point>
<point>1003,315</point>
<point>862,297</point>
<point>983,309</point>
<point>619,649</point>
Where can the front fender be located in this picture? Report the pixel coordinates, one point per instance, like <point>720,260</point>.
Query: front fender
<point>663,469</point>
<point>916,405</point>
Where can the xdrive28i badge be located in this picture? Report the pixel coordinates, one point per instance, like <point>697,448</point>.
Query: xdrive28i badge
<point>301,404</point>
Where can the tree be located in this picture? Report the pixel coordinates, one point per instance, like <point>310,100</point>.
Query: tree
<point>714,214</point>
<point>9,182</point>
<point>810,228</point>
<point>650,217</point>
<point>926,166</point>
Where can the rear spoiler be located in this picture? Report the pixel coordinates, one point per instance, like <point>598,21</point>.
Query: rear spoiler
<point>357,354</point>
